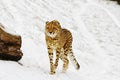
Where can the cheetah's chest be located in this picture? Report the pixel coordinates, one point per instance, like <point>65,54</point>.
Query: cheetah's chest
<point>54,43</point>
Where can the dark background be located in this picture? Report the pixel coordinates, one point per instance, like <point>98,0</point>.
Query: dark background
<point>118,1</point>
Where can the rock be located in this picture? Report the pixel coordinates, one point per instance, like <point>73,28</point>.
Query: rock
<point>10,46</point>
<point>118,1</point>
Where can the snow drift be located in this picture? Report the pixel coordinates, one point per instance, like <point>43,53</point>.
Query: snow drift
<point>96,38</point>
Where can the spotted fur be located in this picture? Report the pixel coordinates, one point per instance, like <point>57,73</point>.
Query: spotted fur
<point>60,40</point>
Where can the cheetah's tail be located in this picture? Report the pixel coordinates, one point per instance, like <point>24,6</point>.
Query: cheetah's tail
<point>74,61</point>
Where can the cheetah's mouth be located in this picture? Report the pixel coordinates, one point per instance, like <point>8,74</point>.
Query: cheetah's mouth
<point>52,35</point>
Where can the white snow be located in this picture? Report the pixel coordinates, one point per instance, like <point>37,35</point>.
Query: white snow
<point>95,25</point>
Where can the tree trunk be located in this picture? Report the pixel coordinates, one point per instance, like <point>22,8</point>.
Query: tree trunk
<point>10,46</point>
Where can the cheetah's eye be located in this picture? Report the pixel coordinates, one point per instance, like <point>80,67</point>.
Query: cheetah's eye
<point>47,27</point>
<point>54,28</point>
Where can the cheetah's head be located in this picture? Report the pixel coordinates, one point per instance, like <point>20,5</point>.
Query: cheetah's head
<point>52,29</point>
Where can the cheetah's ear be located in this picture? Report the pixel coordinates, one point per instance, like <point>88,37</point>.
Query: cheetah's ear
<point>47,22</point>
<point>56,22</point>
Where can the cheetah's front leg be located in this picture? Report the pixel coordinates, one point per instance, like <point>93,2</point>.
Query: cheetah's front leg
<point>52,68</point>
<point>57,57</point>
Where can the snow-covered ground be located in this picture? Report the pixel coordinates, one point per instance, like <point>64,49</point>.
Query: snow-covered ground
<point>95,25</point>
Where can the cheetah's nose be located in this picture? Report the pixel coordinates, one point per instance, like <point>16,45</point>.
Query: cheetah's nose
<point>50,32</point>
